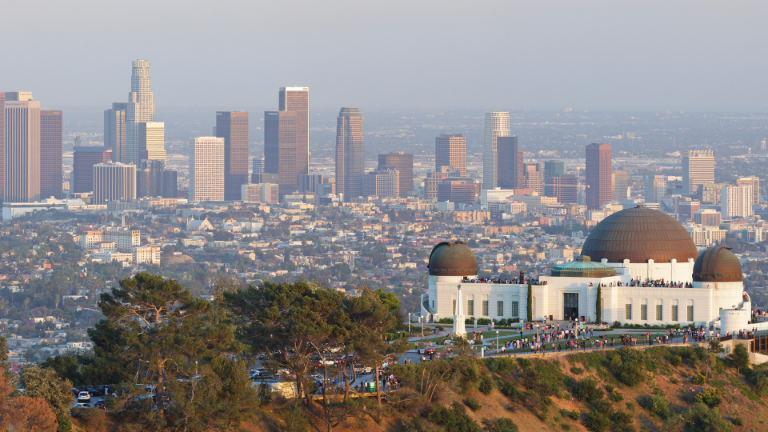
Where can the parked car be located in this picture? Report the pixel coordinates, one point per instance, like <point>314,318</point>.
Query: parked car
<point>83,396</point>
<point>100,404</point>
<point>75,392</point>
<point>95,391</point>
<point>82,405</point>
<point>262,375</point>
<point>363,369</point>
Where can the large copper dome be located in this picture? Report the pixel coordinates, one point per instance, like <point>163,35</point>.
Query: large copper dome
<point>639,234</point>
<point>452,259</point>
<point>717,264</point>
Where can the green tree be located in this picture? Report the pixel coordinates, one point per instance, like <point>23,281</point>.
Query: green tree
<point>529,316</point>
<point>599,304</point>
<point>47,385</point>
<point>66,366</point>
<point>740,357</point>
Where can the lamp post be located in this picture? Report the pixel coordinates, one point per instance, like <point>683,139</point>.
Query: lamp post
<point>409,324</point>
<point>497,341</point>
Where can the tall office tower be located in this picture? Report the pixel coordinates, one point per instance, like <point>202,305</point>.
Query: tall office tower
<point>457,191</point>
<point>620,185</point>
<point>434,179</point>
<point>206,169</point>
<point>82,167</point>
<point>451,150</point>
<point>151,141</point>
<point>296,99</point>
<point>382,183</point>
<point>698,169</point>
<point>552,169</point>
<point>755,183</point>
<point>170,184</point>
<point>149,178</point>
<point>309,182</point>
<point>50,154</point>
<point>707,217</point>
<point>140,109</point>
<point>403,163</point>
<point>258,165</point>
<point>496,125</point>
<point>233,127</point>
<point>598,174</point>
<point>2,141</point>
<point>655,188</point>
<point>113,182</point>
<point>350,154</point>
<point>565,189</point>
<point>17,96</point>
<point>534,179</point>
<point>280,149</point>
<point>736,201</point>
<point>507,163</point>
<point>22,151</point>
<point>114,130</point>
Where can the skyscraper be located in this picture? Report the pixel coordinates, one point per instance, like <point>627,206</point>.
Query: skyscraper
<point>140,108</point>
<point>233,127</point>
<point>350,154</point>
<point>113,182</point>
<point>206,169</point>
<point>403,163</point>
<point>534,178</point>
<point>698,169</point>
<point>151,141</point>
<point>296,99</point>
<point>22,151</point>
<point>620,185</point>
<point>598,175</point>
<point>553,168</point>
<point>82,166</point>
<point>565,189</point>
<point>114,130</point>
<point>496,125</point>
<point>2,142</point>
<point>451,150</point>
<point>50,154</point>
<point>382,183</point>
<point>655,188</point>
<point>508,163</point>
<point>280,149</point>
<point>149,178</point>
<point>736,201</point>
<point>755,183</point>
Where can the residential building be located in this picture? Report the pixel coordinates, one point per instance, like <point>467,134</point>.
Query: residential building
<point>280,148</point>
<point>534,177</point>
<point>114,130</point>
<point>565,189</point>
<point>51,163</point>
<point>206,169</point>
<point>113,182</point>
<point>381,183</point>
<point>710,193</point>
<point>403,163</point>
<point>233,127</point>
<point>296,99</point>
<point>496,125</point>
<point>736,201</point>
<point>698,169</point>
<point>140,109</point>
<point>598,175</point>
<point>350,153</point>
<point>655,188</point>
<point>148,254</point>
<point>707,217</point>
<point>755,183</point>
<point>85,157</point>
<point>22,151</point>
<point>451,150</point>
<point>508,163</point>
<point>2,142</point>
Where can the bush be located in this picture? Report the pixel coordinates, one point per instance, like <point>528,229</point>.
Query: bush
<point>597,421</point>
<point>628,365</point>
<point>740,357</point>
<point>676,361</point>
<point>577,370</point>
<point>472,404</point>
<point>711,397</point>
<point>617,397</point>
<point>575,415</point>
<point>500,425</point>
<point>699,379</point>
<point>586,390</point>
<point>631,406</point>
<point>657,405</point>
<point>486,385</point>
<point>455,419</point>
<point>699,419</point>
<point>738,421</point>
<point>609,388</point>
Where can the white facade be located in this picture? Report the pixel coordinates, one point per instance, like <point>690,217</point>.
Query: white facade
<point>736,201</point>
<point>206,169</point>
<point>698,169</point>
<point>141,108</point>
<point>496,125</point>
<point>146,254</point>
<point>113,182</point>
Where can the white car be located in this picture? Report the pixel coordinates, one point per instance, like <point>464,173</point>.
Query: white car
<point>83,396</point>
<point>82,405</point>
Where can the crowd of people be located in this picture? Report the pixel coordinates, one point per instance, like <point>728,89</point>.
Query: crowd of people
<point>656,283</point>
<point>519,281</point>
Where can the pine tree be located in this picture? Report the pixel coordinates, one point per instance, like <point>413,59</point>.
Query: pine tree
<point>530,302</point>
<point>599,304</point>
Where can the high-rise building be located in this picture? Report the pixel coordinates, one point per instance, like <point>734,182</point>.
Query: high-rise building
<point>710,193</point>
<point>451,150</point>
<point>350,154</point>
<point>140,109</point>
<point>309,182</point>
<point>565,189</point>
<point>50,154</point>
<point>755,183</point>
<point>233,127</point>
<point>114,130</point>
<point>258,165</point>
<point>698,169</point>
<point>17,96</point>
<point>403,163</point>
<point>113,182</point>
<point>598,175</point>
<point>296,99</point>
<point>22,151</point>
<point>206,169</point>
<point>553,168</point>
<point>434,179</point>
<point>280,148</point>
<point>496,125</point>
<point>736,201</point>
<point>381,183</point>
<point>534,179</point>
<point>707,217</point>
<point>170,184</point>
<point>2,142</point>
<point>457,191</point>
<point>507,163</point>
<point>149,178</point>
<point>151,141</point>
<point>655,188</point>
<point>620,185</point>
<point>82,167</point>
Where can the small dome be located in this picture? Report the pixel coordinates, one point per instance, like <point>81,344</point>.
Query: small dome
<point>583,267</point>
<point>452,259</point>
<point>717,264</point>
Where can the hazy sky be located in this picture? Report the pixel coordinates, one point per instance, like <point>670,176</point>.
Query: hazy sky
<point>624,55</point>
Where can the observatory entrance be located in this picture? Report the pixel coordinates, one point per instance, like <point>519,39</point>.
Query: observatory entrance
<point>570,306</point>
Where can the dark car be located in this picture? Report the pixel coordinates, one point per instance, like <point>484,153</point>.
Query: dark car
<point>262,376</point>
<point>95,391</point>
<point>75,391</point>
<point>100,404</point>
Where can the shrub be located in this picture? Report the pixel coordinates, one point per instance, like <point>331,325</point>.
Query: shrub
<point>631,406</point>
<point>657,405</point>
<point>628,365</point>
<point>472,404</point>
<point>617,324</point>
<point>740,357</point>
<point>486,385</point>
<point>622,419</point>
<point>676,361</point>
<point>617,397</point>
<point>455,419</point>
<point>586,390</point>
<point>711,397</point>
<point>699,419</point>
<point>699,379</point>
<point>738,421</point>
<point>575,415</point>
<point>577,370</point>
<point>597,421</point>
<point>500,425</point>
<point>609,388</point>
